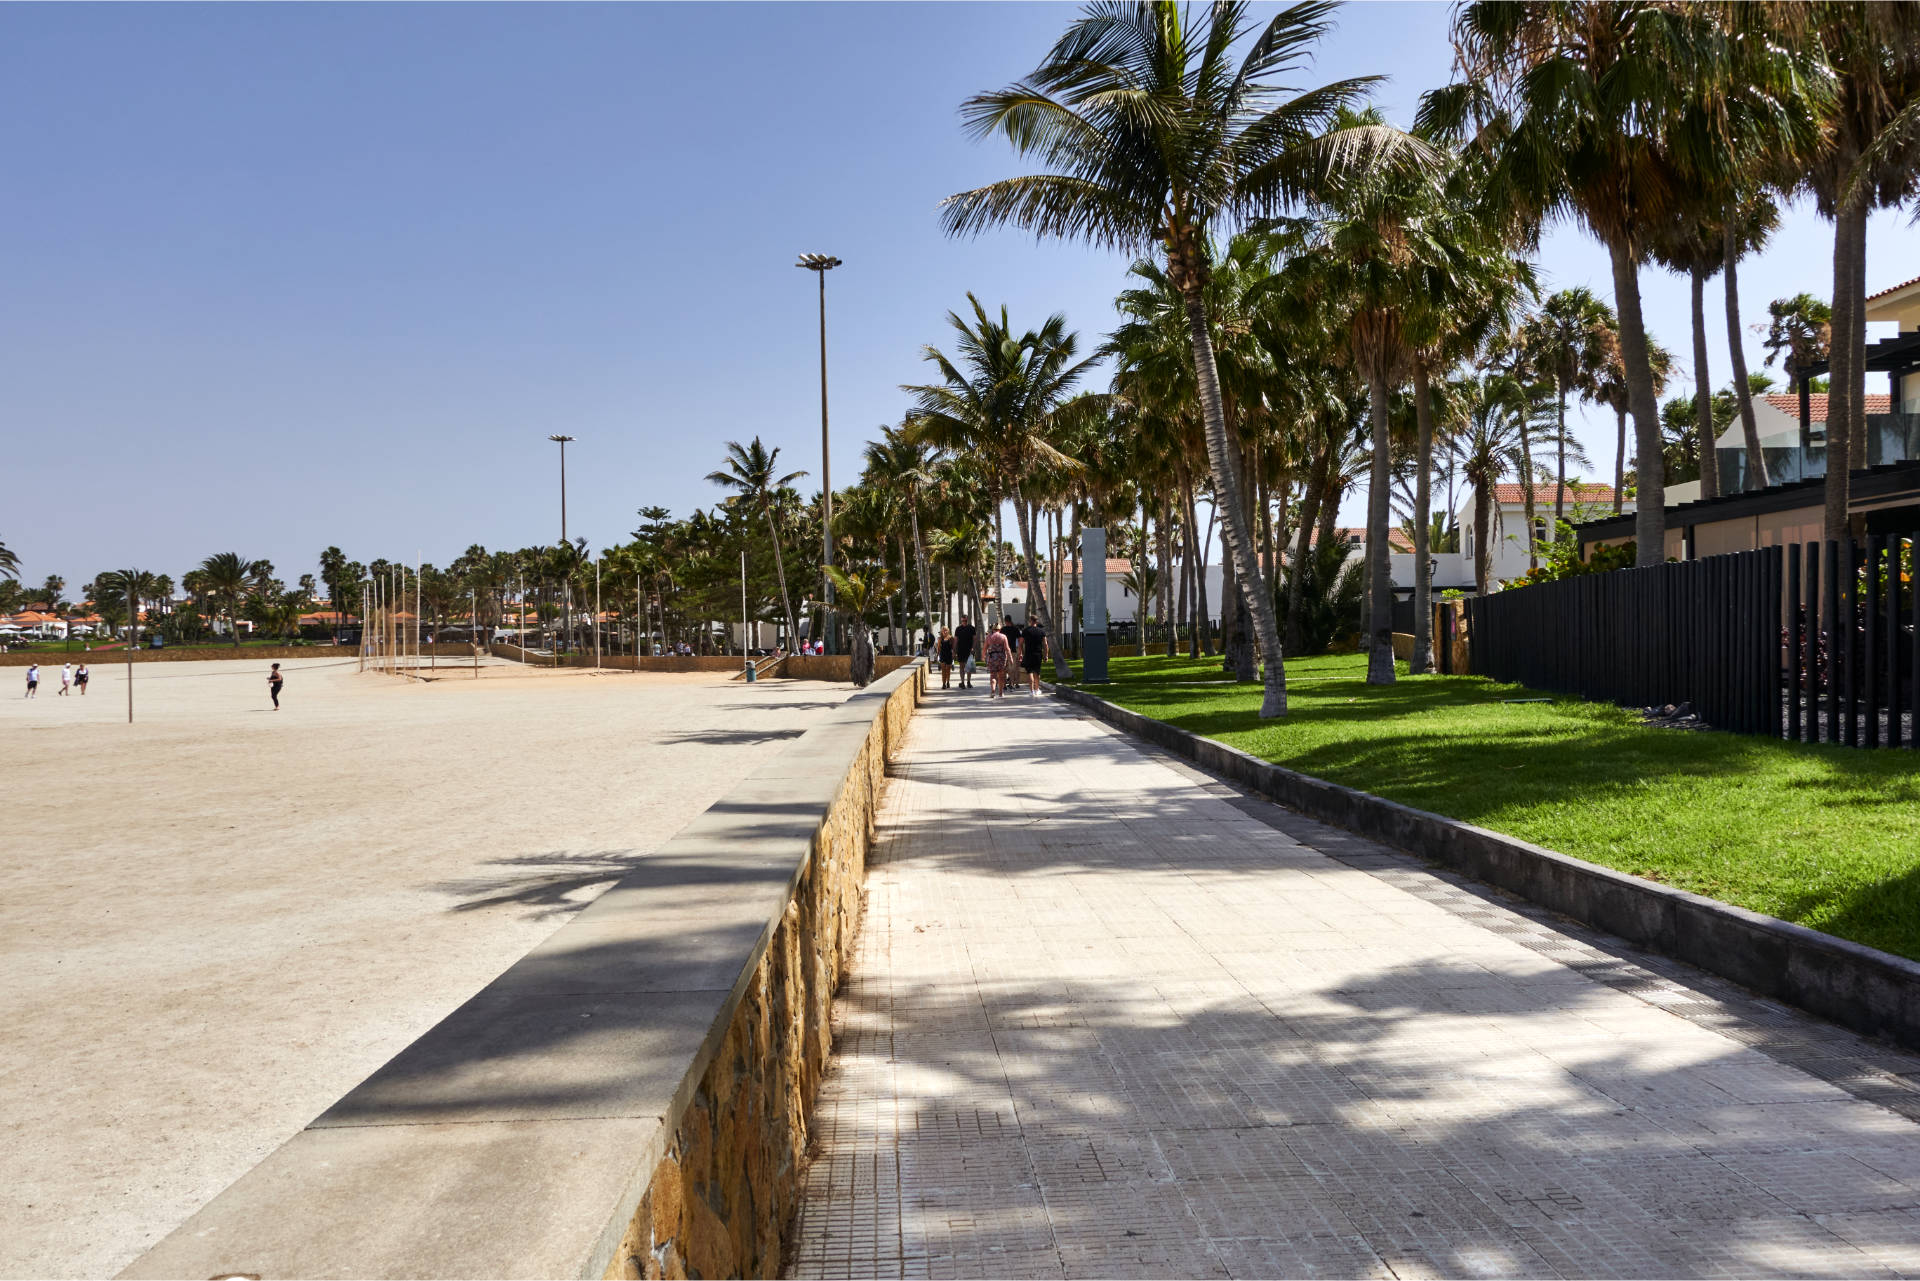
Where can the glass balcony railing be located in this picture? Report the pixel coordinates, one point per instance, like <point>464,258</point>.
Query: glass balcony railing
<point>1891,438</point>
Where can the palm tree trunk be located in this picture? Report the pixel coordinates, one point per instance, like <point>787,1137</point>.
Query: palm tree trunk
<point>1619,458</point>
<point>1702,390</point>
<point>1845,410</point>
<point>1560,460</point>
<point>920,556</point>
<point>1309,515</point>
<point>1226,482</point>
<point>1482,535</point>
<point>1206,612</point>
<point>1757,477</point>
<point>1650,515</point>
<point>1422,660</point>
<point>1526,488</point>
<point>1078,620</point>
<point>999,564</point>
<point>1164,586</point>
<point>1379,567</point>
<point>780,571</point>
<point>1023,516</point>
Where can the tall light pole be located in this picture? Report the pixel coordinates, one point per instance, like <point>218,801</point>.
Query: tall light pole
<point>820,265</point>
<point>567,606</point>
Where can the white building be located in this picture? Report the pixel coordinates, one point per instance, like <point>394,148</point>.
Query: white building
<point>1507,537</point>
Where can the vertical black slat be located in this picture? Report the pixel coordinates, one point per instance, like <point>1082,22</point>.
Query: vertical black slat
<point>1740,628</point>
<point>1869,684</point>
<point>1776,596</point>
<point>1810,676</point>
<point>1913,666</point>
<point>1850,658</point>
<point>1733,697</point>
<point>1891,641</point>
<point>1830,627</point>
<point>1795,553</point>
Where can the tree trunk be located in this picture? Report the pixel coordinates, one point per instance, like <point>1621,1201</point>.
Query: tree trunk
<point>1379,567</point>
<point>999,560</point>
<point>1527,487</point>
<point>1023,516</point>
<point>1165,584</point>
<point>780,570</point>
<point>1310,504</point>
<point>920,556</point>
<point>1703,390</point>
<point>1757,476</point>
<point>1650,516</point>
<point>1482,536</point>
<point>1619,458</point>
<point>1226,483</point>
<point>1849,233</point>
<point>1559,459</point>
<point>1422,661</point>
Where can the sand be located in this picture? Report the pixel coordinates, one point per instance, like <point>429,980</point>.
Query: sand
<point>217,920</point>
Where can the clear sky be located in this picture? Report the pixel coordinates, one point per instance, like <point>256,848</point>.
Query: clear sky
<point>278,276</point>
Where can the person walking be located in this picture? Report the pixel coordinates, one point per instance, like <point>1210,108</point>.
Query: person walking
<point>274,681</point>
<point>999,658</point>
<point>963,649</point>
<point>33,680</point>
<point>80,679</point>
<point>66,679</point>
<point>1033,652</point>
<point>946,658</point>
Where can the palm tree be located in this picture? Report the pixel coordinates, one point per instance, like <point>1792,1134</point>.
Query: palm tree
<point>900,461</point>
<point>1154,135</point>
<point>228,580</point>
<point>1579,107</point>
<point>750,472</point>
<point>1610,389</point>
<point>996,400</point>
<point>854,596</point>
<point>1800,331</point>
<point>9,562</point>
<point>1570,338</point>
<point>1489,449</point>
<point>1868,156</point>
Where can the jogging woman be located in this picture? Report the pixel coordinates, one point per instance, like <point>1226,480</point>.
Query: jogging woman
<point>274,681</point>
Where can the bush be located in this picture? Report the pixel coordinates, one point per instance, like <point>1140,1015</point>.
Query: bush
<point>1330,594</point>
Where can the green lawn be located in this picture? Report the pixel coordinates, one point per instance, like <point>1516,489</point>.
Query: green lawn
<point>1825,836</point>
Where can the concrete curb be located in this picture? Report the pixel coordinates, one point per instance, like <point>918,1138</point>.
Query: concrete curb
<point>1858,987</point>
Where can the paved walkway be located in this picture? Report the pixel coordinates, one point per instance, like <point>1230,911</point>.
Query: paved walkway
<point>1111,1017</point>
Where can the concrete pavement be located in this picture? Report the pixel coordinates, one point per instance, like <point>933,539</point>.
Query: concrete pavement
<point>1111,1017</point>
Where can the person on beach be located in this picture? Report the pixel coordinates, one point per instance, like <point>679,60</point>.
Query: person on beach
<point>963,647</point>
<point>274,681</point>
<point>33,680</point>
<point>66,679</point>
<point>80,679</point>
<point>999,658</point>
<point>946,658</point>
<point>1033,652</point>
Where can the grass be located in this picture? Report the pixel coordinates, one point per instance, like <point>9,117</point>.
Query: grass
<point>1822,835</point>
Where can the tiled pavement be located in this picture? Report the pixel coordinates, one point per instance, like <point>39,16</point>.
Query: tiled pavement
<point>1111,1017</point>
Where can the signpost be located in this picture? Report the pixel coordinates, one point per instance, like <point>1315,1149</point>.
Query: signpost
<point>1093,608</point>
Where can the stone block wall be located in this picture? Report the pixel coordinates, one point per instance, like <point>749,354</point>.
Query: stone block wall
<point>720,1200</point>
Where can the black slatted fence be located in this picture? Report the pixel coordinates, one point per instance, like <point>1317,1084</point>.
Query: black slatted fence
<point>1811,641</point>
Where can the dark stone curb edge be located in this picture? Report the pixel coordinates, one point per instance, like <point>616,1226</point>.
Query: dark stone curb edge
<point>1856,986</point>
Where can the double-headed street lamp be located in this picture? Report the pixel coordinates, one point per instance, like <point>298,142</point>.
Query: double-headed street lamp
<point>568,607</point>
<point>821,264</point>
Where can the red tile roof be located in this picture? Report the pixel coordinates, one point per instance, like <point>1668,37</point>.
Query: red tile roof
<point>1516,493</point>
<point>1788,403</point>
<point>1398,540</point>
<point>1894,290</point>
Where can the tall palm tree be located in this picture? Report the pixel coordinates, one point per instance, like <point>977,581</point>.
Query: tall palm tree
<point>1154,134</point>
<point>1799,334</point>
<point>750,473</point>
<point>1571,339</point>
<point>1868,156</point>
<point>9,562</point>
<point>995,399</point>
<point>1610,389</point>
<point>907,465</point>
<point>228,579</point>
<point>1489,450</point>
<point>1579,107</point>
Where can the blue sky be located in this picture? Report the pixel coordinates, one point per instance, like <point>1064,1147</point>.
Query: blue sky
<point>278,277</point>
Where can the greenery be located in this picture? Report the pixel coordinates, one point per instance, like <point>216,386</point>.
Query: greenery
<point>1827,836</point>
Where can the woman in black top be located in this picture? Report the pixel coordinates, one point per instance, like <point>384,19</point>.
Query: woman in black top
<point>946,658</point>
<point>274,681</point>
<point>1033,651</point>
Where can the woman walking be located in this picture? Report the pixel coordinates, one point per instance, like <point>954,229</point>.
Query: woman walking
<point>80,679</point>
<point>1033,652</point>
<point>946,658</point>
<point>999,658</point>
<point>274,681</point>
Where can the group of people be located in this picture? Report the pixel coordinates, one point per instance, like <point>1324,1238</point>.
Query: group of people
<point>70,677</point>
<point>1000,650</point>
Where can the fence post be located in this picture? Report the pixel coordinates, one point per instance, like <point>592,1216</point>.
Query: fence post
<point>1869,685</point>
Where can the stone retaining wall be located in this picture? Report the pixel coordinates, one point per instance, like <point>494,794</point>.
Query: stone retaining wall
<point>633,1097</point>
<point>1849,983</point>
<point>214,653</point>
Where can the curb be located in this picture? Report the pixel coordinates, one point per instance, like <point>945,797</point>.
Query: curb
<point>1856,986</point>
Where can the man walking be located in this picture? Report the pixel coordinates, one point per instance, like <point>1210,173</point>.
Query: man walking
<point>66,679</point>
<point>1033,652</point>
<point>963,638</point>
<point>33,680</point>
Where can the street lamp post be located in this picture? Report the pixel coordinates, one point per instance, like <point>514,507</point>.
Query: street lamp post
<point>820,265</point>
<point>567,604</point>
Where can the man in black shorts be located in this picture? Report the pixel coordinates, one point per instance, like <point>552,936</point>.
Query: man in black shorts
<point>1033,652</point>
<point>963,638</point>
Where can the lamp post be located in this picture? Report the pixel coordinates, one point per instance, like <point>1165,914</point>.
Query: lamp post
<point>567,605</point>
<point>820,265</point>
